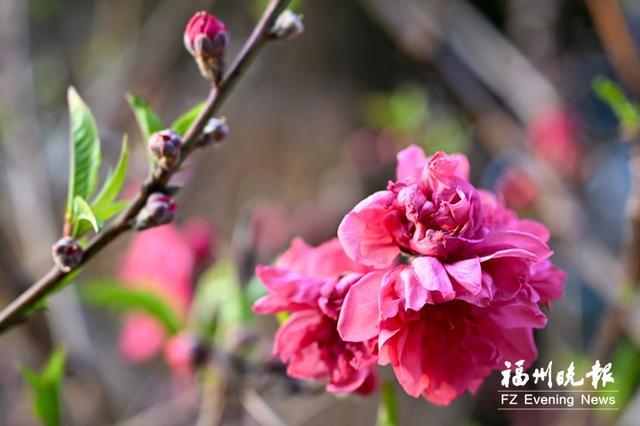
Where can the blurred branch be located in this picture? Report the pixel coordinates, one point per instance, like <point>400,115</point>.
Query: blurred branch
<point>158,179</point>
<point>620,314</point>
<point>260,410</point>
<point>27,179</point>
<point>617,41</point>
<point>449,55</point>
<point>494,59</point>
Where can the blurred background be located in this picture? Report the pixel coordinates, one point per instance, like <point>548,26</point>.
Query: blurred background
<point>518,85</point>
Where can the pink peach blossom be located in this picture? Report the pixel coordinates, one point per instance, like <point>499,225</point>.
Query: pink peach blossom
<point>466,300</point>
<point>518,187</point>
<point>164,260</point>
<point>431,210</point>
<point>311,283</point>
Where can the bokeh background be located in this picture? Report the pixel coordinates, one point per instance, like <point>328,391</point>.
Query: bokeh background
<point>315,124</point>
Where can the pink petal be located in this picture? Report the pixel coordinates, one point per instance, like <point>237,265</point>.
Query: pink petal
<point>467,273</point>
<point>507,239</point>
<point>432,275</point>
<point>363,233</point>
<point>141,338</point>
<point>411,161</point>
<point>358,319</point>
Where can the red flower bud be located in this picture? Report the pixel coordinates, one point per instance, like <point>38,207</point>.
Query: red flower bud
<point>206,38</point>
<point>165,147</point>
<point>159,210</point>
<point>67,254</point>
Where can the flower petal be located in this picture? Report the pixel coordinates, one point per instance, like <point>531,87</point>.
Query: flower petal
<point>358,319</point>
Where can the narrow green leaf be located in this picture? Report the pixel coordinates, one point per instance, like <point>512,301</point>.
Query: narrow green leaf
<point>54,369</point>
<point>182,123</point>
<point>388,406</point>
<point>83,216</point>
<point>627,112</point>
<point>117,297</point>
<point>85,150</point>
<point>102,205</point>
<point>111,210</point>
<point>148,121</point>
<point>46,388</point>
<point>219,292</point>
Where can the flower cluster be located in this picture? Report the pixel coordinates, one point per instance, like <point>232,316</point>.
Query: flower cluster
<point>311,283</point>
<point>437,278</point>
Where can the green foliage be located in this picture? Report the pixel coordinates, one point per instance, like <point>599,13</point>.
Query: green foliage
<point>46,388</point>
<point>83,218</point>
<point>404,110</point>
<point>627,112</point>
<point>220,300</point>
<point>260,5</point>
<point>83,176</point>
<point>388,406</point>
<point>116,297</point>
<point>85,151</point>
<point>104,205</point>
<point>148,121</point>
<point>626,371</point>
<point>182,123</point>
<point>406,115</point>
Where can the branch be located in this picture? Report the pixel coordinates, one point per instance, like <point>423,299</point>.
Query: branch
<point>158,179</point>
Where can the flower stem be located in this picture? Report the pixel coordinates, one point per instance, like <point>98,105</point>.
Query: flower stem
<point>388,405</point>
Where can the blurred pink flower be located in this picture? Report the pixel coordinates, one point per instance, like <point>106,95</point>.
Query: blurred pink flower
<point>311,283</point>
<point>468,298</point>
<point>369,151</point>
<point>553,135</point>
<point>518,187</point>
<point>269,228</point>
<point>164,260</point>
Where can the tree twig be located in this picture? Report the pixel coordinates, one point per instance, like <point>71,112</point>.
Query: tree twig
<point>159,178</point>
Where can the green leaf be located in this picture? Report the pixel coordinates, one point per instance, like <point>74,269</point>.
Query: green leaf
<point>627,112</point>
<point>85,150</point>
<point>83,216</point>
<point>103,205</point>
<point>219,297</point>
<point>388,406</point>
<point>117,297</point>
<point>148,121</point>
<point>182,123</point>
<point>46,388</point>
<point>111,210</point>
<point>408,109</point>
<point>260,5</point>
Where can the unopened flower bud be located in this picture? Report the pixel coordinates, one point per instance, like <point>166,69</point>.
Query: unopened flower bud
<point>288,26</point>
<point>159,210</point>
<point>215,131</point>
<point>185,353</point>
<point>165,147</point>
<point>67,254</point>
<point>206,38</point>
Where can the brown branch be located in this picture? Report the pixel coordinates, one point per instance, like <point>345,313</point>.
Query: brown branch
<point>158,179</point>
<point>613,31</point>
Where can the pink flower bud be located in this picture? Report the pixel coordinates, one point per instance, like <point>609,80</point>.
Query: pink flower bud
<point>159,210</point>
<point>165,147</point>
<point>206,38</point>
<point>67,254</point>
<point>184,354</point>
